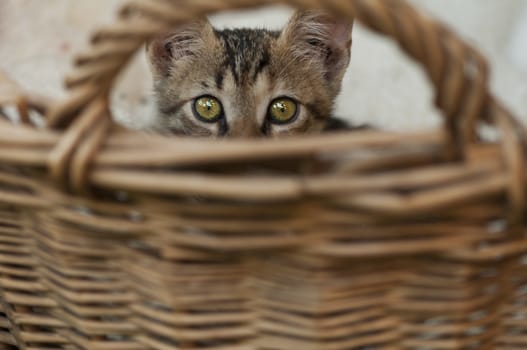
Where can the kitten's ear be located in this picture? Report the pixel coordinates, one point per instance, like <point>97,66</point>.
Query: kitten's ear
<point>182,43</point>
<point>316,35</point>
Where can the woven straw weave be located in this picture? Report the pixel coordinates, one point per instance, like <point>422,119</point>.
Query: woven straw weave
<point>116,240</point>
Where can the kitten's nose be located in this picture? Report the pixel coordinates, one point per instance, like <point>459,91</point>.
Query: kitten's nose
<point>244,127</point>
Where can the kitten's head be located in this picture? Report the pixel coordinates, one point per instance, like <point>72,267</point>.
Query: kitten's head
<point>249,83</point>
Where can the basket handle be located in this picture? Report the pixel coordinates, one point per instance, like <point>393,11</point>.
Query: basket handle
<point>458,72</point>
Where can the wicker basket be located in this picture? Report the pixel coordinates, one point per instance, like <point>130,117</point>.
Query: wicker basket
<point>116,240</point>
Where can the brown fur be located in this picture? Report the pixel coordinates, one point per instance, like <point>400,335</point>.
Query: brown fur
<point>246,70</point>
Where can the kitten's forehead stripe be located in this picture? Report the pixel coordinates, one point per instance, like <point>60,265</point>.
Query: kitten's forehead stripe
<point>246,52</point>
<point>264,62</point>
<point>220,77</point>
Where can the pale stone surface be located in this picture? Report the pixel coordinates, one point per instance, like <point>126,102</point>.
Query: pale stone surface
<point>38,37</point>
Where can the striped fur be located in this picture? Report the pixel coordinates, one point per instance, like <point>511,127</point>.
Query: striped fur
<point>246,69</point>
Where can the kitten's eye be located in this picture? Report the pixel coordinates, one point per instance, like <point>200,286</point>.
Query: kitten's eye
<point>283,110</point>
<point>208,109</point>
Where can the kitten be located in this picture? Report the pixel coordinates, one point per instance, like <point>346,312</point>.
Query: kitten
<point>250,83</point>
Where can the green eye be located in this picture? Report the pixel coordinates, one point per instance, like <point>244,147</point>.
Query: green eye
<point>283,110</point>
<point>208,109</point>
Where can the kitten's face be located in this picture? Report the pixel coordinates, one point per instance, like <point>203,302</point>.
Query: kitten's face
<point>250,83</point>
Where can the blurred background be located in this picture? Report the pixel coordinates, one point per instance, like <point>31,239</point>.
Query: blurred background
<point>382,87</point>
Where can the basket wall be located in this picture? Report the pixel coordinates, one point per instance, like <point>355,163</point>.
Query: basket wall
<point>142,273</point>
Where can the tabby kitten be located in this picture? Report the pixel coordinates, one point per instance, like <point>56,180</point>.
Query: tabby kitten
<point>250,83</point>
